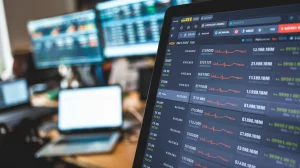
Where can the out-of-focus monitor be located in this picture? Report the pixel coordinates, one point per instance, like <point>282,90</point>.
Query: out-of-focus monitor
<point>132,27</point>
<point>70,39</point>
<point>13,93</point>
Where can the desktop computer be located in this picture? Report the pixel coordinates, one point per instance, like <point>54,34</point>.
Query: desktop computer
<point>126,28</point>
<point>70,39</point>
<point>65,41</point>
<point>132,27</point>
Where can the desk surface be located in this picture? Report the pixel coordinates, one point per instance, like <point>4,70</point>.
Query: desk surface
<point>122,157</point>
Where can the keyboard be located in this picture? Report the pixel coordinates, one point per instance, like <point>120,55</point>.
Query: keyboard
<point>13,117</point>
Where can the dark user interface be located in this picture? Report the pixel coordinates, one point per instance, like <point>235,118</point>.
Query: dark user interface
<point>65,40</point>
<point>229,92</point>
<point>133,27</point>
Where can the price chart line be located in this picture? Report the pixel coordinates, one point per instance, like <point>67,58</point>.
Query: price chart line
<point>200,166</point>
<point>226,78</point>
<point>211,156</point>
<point>217,130</point>
<point>214,143</point>
<point>221,104</point>
<point>224,64</point>
<point>223,91</point>
<point>218,117</point>
<point>230,52</point>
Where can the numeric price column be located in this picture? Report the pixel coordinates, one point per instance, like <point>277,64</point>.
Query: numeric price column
<point>169,115</point>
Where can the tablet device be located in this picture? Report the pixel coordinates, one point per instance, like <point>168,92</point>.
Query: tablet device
<point>225,88</point>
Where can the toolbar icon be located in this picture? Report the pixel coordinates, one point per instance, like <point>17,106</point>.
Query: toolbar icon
<point>291,18</point>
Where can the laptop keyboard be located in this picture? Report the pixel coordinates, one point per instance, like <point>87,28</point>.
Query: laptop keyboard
<point>83,140</point>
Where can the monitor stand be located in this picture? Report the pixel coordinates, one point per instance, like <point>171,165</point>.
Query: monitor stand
<point>99,75</point>
<point>85,75</point>
<point>91,75</point>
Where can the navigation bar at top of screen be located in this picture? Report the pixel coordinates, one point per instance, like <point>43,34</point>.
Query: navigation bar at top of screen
<point>258,30</point>
<point>233,27</point>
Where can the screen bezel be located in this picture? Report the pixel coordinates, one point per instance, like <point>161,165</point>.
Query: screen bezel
<point>27,103</point>
<point>93,130</point>
<point>213,6</point>
<point>69,64</point>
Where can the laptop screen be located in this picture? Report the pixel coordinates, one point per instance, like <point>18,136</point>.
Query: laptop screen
<point>13,93</point>
<point>229,92</point>
<point>90,108</point>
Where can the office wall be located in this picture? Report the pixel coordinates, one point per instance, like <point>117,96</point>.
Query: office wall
<point>18,12</point>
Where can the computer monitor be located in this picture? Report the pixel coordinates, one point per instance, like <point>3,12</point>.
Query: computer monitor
<point>70,39</point>
<point>13,93</point>
<point>225,88</point>
<point>132,27</point>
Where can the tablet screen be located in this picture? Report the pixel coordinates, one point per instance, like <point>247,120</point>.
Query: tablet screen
<point>229,94</point>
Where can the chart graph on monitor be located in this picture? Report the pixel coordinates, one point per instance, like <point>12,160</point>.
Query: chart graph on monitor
<point>69,39</point>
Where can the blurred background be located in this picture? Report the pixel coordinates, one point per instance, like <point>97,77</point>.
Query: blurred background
<point>56,45</point>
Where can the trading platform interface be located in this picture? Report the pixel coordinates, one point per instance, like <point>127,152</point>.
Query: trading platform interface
<point>65,40</point>
<point>229,92</point>
<point>133,27</point>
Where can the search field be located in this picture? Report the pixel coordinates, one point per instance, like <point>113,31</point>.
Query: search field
<point>265,20</point>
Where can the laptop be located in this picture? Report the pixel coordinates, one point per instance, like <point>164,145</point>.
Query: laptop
<point>225,91</point>
<point>89,121</point>
<point>15,103</point>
